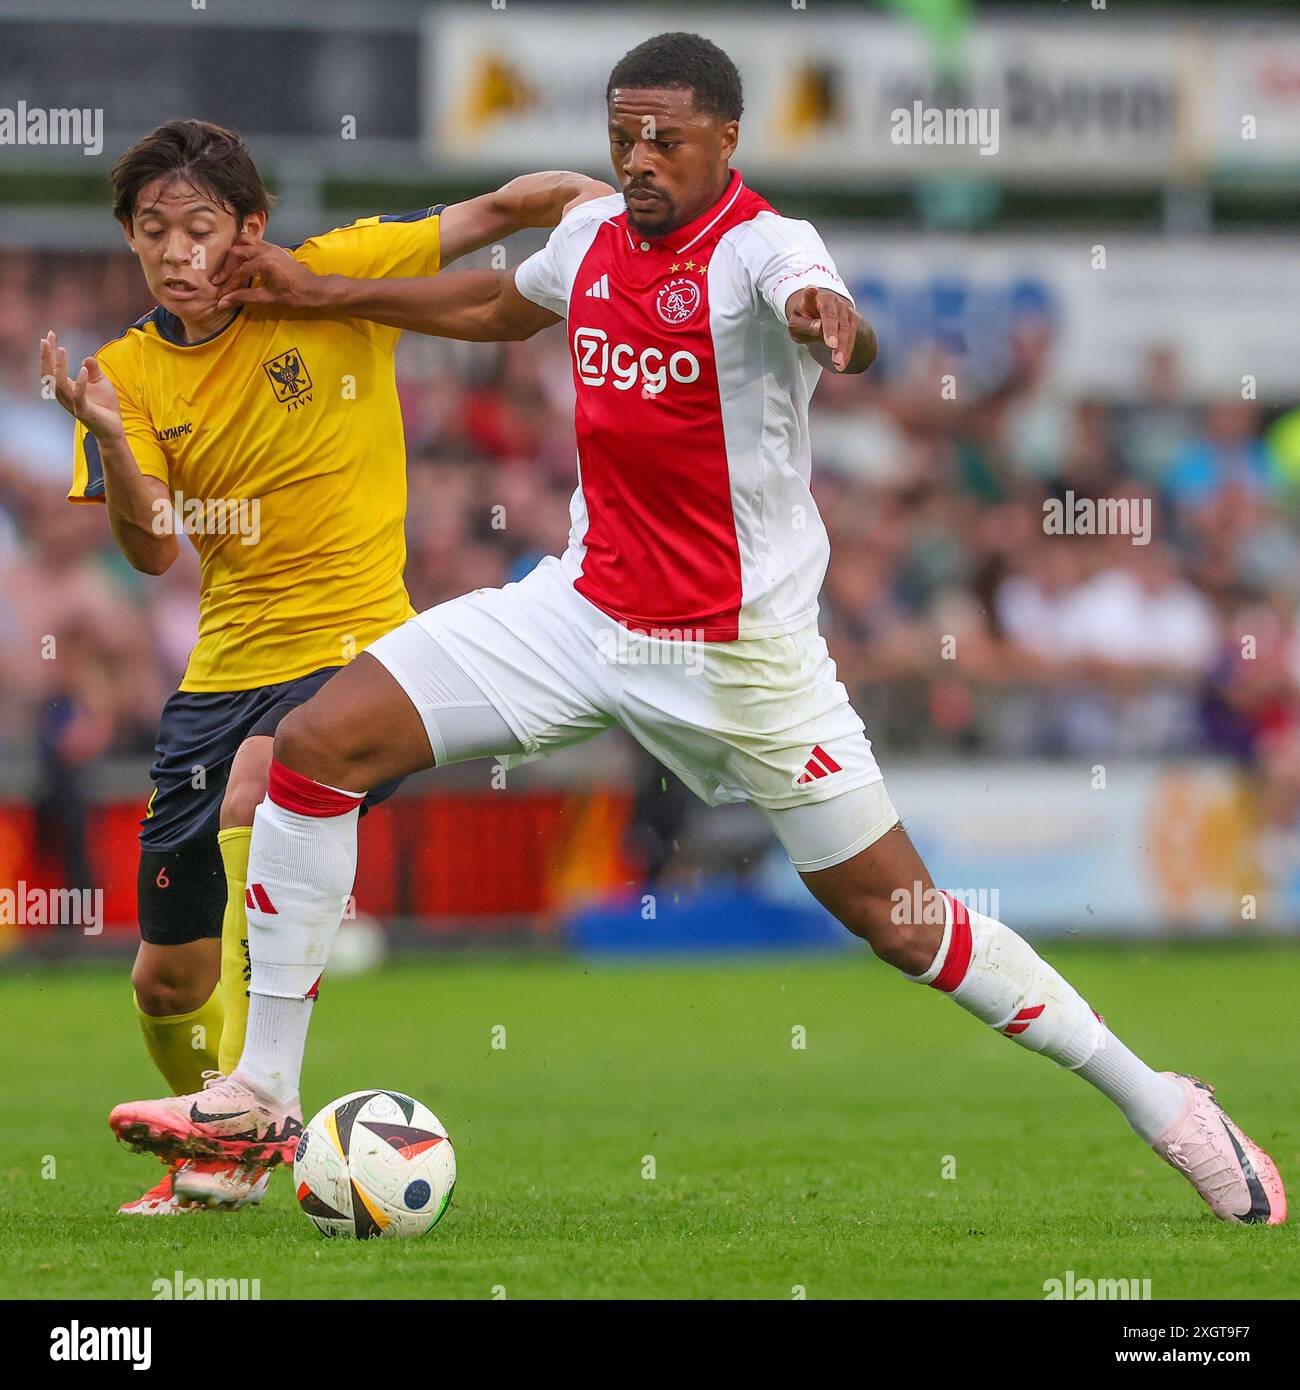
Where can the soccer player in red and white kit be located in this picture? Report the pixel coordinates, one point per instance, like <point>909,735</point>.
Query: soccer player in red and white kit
<point>684,610</point>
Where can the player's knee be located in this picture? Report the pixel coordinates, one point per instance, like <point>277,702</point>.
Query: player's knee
<point>301,744</point>
<point>163,989</point>
<point>318,748</point>
<point>240,801</point>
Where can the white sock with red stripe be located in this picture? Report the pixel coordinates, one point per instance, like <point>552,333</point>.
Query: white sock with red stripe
<point>301,865</point>
<point>997,976</point>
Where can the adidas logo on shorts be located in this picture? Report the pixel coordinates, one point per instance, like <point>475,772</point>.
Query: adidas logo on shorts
<point>821,764</point>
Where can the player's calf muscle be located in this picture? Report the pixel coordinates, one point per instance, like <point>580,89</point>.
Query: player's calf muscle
<point>864,893</point>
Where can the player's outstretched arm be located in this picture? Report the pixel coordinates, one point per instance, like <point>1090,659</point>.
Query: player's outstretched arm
<point>136,502</point>
<point>531,200</point>
<point>479,306</point>
<point>482,309</point>
<point>831,329</point>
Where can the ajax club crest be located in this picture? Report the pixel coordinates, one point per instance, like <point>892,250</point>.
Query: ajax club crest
<point>677,300</point>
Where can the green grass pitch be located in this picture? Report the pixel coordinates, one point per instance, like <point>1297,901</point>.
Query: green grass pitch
<point>777,1169</point>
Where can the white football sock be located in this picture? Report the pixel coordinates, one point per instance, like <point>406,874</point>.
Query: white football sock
<point>274,1043</point>
<point>1149,1101</point>
<point>301,865</point>
<point>997,976</point>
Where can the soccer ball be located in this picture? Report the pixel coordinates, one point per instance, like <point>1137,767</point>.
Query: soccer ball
<point>374,1163</point>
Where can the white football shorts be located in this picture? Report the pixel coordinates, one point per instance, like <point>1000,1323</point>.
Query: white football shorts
<point>519,672</point>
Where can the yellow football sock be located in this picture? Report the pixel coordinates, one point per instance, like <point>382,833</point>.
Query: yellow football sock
<point>235,964</point>
<point>184,1046</point>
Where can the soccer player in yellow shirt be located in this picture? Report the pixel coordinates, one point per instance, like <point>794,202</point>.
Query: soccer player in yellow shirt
<point>275,441</point>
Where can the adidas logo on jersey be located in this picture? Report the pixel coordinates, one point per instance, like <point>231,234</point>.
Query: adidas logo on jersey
<point>598,290</point>
<point>821,764</point>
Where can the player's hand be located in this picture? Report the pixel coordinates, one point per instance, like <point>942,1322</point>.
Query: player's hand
<point>90,398</point>
<point>587,190</point>
<point>817,316</point>
<point>283,282</point>
<point>541,199</point>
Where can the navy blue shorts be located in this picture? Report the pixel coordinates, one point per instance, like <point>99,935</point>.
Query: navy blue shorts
<point>198,737</point>
<point>181,884</point>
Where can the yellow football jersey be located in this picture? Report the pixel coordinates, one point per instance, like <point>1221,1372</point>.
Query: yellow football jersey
<point>280,441</point>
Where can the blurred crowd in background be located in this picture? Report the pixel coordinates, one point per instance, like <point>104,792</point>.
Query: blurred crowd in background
<point>960,624</point>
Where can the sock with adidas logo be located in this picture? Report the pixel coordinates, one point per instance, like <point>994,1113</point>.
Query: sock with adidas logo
<point>301,865</point>
<point>996,975</point>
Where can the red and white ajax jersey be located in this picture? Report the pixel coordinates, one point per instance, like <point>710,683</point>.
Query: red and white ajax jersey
<point>692,517</point>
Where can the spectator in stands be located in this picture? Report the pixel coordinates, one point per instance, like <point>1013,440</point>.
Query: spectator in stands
<point>1156,425</point>
<point>1229,452</point>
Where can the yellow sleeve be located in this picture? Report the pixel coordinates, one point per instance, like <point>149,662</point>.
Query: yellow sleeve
<point>377,248</point>
<point>88,471</point>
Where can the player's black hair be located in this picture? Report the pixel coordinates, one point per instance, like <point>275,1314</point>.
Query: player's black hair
<point>685,61</point>
<point>208,156</point>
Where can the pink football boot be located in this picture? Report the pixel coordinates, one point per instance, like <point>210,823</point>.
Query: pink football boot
<point>1237,1179</point>
<point>226,1120</point>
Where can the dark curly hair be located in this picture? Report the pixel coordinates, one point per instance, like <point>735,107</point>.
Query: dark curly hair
<point>683,61</point>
